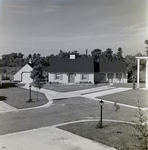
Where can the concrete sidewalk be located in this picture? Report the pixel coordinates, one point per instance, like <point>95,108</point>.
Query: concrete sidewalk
<point>51,95</point>
<point>48,138</point>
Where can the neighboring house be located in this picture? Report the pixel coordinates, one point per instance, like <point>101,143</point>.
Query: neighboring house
<point>23,75</point>
<point>112,72</point>
<point>71,70</point>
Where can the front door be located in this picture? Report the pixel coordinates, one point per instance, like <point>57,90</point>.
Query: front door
<point>71,78</point>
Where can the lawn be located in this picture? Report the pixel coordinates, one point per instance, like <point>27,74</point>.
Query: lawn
<point>17,97</point>
<point>130,97</point>
<point>69,88</point>
<point>118,135</point>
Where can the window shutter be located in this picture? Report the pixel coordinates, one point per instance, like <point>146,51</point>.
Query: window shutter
<point>87,76</point>
<point>54,76</point>
<point>61,76</point>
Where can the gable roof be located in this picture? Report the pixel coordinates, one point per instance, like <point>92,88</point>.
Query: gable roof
<point>31,65</point>
<point>112,66</point>
<point>66,65</point>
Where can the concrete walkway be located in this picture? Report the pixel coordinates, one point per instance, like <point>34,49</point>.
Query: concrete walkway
<point>51,95</point>
<point>48,138</point>
<point>6,108</point>
<point>51,137</point>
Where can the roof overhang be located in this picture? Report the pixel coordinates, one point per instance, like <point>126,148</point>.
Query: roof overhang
<point>141,57</point>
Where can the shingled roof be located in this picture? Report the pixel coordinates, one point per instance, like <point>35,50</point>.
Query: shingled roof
<point>78,65</point>
<point>112,66</point>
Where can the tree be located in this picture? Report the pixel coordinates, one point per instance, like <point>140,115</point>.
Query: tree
<point>96,53</point>
<point>119,54</point>
<point>131,64</point>
<point>61,54</point>
<point>115,57</point>
<point>37,76</point>
<point>146,42</point>
<point>109,54</point>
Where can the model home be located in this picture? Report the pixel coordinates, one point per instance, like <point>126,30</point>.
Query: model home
<point>71,70</point>
<point>85,70</point>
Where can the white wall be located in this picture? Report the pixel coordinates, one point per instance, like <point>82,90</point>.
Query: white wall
<point>78,78</point>
<point>64,79</point>
<point>18,75</point>
<point>113,80</point>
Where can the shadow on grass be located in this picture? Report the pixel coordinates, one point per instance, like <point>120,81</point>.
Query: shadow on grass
<point>107,124</point>
<point>2,98</point>
<point>7,85</point>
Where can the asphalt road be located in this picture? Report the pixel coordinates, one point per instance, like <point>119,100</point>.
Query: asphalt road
<point>61,111</point>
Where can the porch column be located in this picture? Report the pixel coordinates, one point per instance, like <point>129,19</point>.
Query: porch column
<point>138,62</point>
<point>106,77</point>
<point>114,80</point>
<point>122,78</point>
<point>146,75</point>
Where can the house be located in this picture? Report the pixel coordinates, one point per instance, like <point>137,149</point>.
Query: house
<point>71,70</point>
<point>77,70</point>
<point>23,75</point>
<point>85,70</point>
<point>112,72</point>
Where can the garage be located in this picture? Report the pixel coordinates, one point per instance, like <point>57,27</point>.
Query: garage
<point>26,77</point>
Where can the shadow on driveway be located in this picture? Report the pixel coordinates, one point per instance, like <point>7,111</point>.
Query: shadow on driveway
<point>3,98</point>
<point>8,84</point>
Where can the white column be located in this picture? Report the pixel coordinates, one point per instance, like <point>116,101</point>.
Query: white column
<point>106,77</point>
<point>114,79</point>
<point>146,75</point>
<point>138,63</point>
<point>122,78</point>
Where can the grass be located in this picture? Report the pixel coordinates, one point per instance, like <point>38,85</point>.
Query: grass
<point>18,97</point>
<point>118,135</point>
<point>130,97</point>
<point>69,88</point>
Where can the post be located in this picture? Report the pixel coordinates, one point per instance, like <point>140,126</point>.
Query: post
<point>138,63</point>
<point>29,94</point>
<point>101,106</point>
<point>101,118</point>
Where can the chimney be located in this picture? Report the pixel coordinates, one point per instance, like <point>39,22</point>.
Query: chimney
<point>72,56</point>
<point>30,61</point>
<point>86,52</point>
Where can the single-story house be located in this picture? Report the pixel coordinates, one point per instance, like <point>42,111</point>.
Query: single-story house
<point>85,70</point>
<point>71,70</point>
<point>77,70</point>
<point>23,75</point>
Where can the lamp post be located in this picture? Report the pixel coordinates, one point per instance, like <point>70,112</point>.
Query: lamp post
<point>101,106</point>
<point>30,93</point>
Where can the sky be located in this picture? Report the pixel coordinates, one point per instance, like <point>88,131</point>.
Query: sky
<point>48,26</point>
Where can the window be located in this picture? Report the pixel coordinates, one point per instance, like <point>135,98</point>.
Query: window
<point>57,76</point>
<point>84,76</point>
<point>119,75</point>
<point>110,75</point>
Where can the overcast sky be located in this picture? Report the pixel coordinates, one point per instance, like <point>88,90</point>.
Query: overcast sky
<point>47,26</point>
